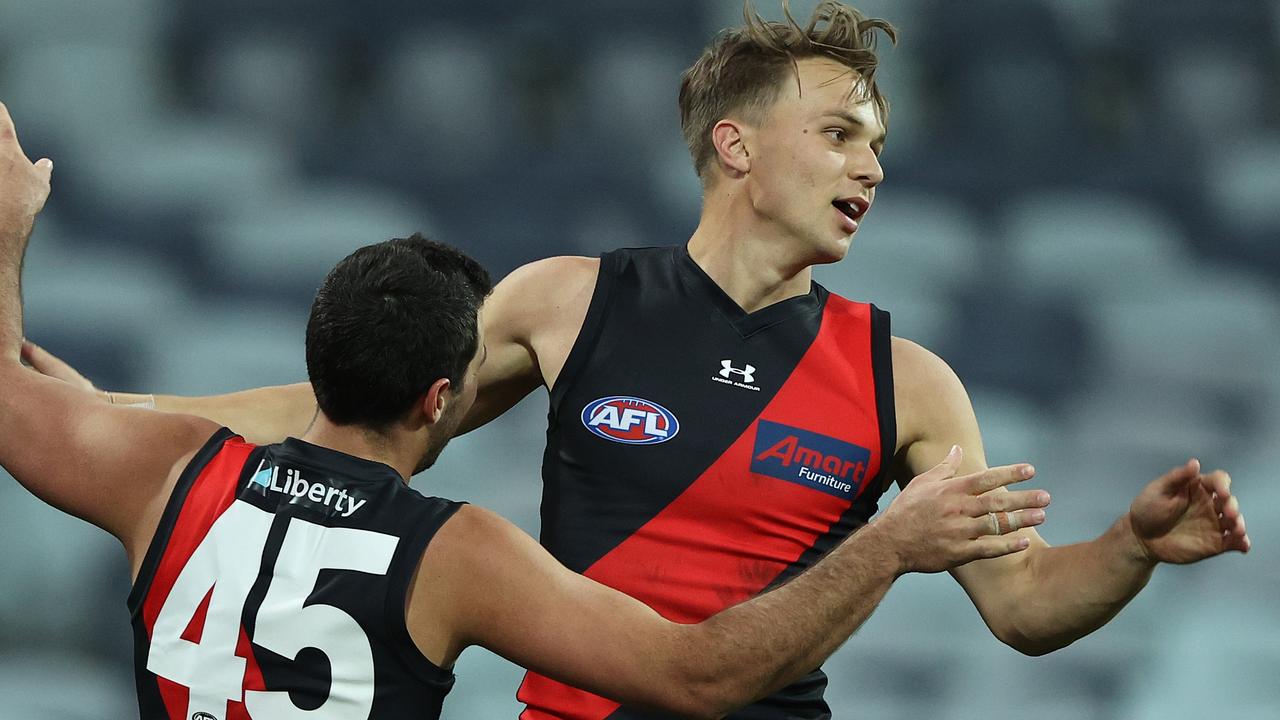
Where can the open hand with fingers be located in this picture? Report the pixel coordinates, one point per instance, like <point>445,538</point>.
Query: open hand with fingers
<point>940,521</point>
<point>1186,516</point>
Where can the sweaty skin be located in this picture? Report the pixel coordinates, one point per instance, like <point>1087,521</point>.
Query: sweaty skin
<point>767,219</point>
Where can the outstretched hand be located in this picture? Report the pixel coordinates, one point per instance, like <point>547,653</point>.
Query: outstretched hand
<point>1186,516</point>
<point>941,521</point>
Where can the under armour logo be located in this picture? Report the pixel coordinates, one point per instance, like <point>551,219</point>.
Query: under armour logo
<point>728,369</point>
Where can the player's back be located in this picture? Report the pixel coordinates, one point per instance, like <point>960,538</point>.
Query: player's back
<point>275,587</point>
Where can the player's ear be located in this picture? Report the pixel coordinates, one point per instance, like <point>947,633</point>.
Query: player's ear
<point>435,400</point>
<point>731,140</point>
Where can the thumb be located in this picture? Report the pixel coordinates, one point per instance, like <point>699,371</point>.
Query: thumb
<point>1176,480</point>
<point>45,165</point>
<point>947,467</point>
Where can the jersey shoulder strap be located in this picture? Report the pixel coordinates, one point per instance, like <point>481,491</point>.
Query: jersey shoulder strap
<point>223,440</point>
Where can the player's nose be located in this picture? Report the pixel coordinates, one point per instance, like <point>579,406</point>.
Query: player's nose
<point>865,169</point>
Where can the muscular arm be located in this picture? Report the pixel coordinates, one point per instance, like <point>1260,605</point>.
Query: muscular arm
<point>1048,597</point>
<point>109,465</point>
<point>489,584</point>
<point>531,321</point>
<point>262,415</point>
<point>483,582</point>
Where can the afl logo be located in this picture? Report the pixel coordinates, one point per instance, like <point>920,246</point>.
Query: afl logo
<point>202,716</point>
<point>630,420</point>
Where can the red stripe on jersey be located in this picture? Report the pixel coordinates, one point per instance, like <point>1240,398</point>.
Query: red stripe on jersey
<point>211,493</point>
<point>727,536</point>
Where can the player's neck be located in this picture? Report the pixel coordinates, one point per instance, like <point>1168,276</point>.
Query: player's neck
<point>363,444</point>
<point>746,258</point>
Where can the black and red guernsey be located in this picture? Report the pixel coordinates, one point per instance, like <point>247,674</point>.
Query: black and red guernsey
<point>698,455</point>
<point>275,588</point>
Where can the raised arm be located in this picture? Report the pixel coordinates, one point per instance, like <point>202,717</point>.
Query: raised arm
<point>531,321</point>
<point>262,415</point>
<point>484,582</point>
<point>109,465</point>
<point>1048,597</point>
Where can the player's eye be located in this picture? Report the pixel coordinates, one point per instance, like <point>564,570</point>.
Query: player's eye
<point>836,134</point>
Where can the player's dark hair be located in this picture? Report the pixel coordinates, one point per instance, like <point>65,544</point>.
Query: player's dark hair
<point>744,67</point>
<point>388,321</point>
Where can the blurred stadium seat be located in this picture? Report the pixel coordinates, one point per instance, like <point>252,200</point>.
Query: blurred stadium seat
<point>443,89</point>
<point>628,93</point>
<point>1242,199</point>
<point>185,167</point>
<point>281,85</point>
<point>1221,331</point>
<point>1089,247</point>
<point>211,350</point>
<point>912,242</point>
<point>1080,216</point>
<point>1211,92</point>
<point>285,242</point>
<point>27,26</point>
<point>88,688</point>
<point>86,94</point>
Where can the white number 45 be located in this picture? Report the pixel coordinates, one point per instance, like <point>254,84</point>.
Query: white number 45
<point>227,562</point>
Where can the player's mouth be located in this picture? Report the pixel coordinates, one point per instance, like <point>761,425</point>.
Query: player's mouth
<point>851,209</point>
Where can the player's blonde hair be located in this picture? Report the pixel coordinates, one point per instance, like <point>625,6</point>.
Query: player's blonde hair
<point>743,68</point>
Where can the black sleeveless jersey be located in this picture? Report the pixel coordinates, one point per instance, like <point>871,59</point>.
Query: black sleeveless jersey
<point>698,454</point>
<point>275,588</point>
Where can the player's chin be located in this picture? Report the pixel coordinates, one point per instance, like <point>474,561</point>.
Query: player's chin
<point>833,249</point>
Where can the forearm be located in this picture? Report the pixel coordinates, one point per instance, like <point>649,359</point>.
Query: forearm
<point>1069,591</point>
<point>757,647</point>
<point>261,416</point>
<point>23,189</point>
<point>10,309</point>
<point>13,245</point>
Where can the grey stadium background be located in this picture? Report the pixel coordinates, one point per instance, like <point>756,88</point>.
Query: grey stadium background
<point>1080,215</point>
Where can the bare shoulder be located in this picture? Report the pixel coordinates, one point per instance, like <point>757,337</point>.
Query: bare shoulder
<point>534,290</point>
<point>562,271</point>
<point>474,562</point>
<point>465,528</point>
<point>535,313</point>
<point>926,390</point>
<point>916,366</point>
<point>469,544</point>
<point>478,553</point>
<point>172,442</point>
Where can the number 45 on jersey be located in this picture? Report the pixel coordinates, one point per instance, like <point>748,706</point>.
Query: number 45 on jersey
<point>228,562</point>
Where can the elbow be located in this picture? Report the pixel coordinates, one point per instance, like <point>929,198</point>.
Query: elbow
<point>718,699</point>
<point>1031,649</point>
<point>703,691</point>
<point>1028,644</point>
<point>1021,625</point>
<point>705,700</point>
<point>709,676</point>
